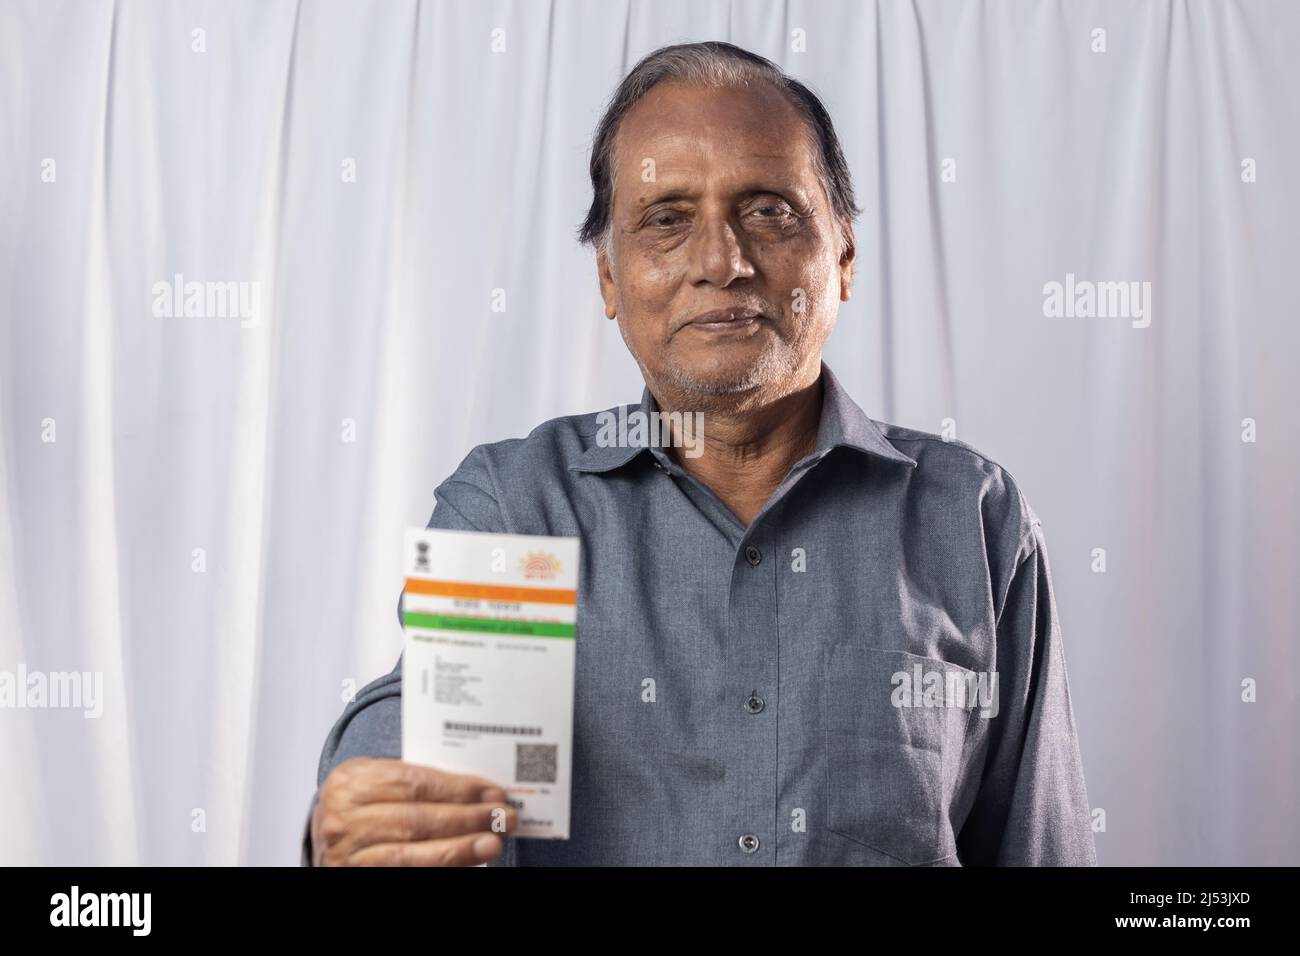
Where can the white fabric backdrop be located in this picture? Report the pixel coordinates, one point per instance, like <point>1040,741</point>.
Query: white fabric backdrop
<point>176,434</point>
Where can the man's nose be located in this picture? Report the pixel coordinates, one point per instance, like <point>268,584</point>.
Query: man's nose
<point>718,254</point>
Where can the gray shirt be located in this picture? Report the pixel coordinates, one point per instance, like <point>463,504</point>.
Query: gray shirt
<point>870,673</point>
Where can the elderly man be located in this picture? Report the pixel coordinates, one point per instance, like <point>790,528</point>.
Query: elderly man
<point>817,639</point>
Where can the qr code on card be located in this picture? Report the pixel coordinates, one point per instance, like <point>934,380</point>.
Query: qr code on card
<point>535,763</point>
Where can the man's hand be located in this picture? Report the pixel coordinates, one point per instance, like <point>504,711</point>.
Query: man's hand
<point>390,813</point>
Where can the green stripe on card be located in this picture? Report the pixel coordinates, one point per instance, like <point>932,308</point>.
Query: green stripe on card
<point>444,622</point>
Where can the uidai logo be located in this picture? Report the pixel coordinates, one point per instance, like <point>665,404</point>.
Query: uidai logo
<point>540,565</point>
<point>102,909</point>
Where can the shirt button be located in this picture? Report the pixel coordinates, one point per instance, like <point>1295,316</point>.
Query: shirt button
<point>753,555</point>
<point>748,843</point>
<point>754,704</point>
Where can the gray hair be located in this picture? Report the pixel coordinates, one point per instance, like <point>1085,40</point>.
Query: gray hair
<point>716,64</point>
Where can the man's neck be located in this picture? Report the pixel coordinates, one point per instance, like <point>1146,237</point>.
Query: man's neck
<point>748,450</point>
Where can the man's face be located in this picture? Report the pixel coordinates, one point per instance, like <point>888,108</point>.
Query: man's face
<point>717,205</point>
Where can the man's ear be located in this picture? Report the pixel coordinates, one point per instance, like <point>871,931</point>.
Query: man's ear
<point>608,290</point>
<point>848,262</point>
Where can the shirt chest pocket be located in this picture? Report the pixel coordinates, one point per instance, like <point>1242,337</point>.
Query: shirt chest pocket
<point>894,736</point>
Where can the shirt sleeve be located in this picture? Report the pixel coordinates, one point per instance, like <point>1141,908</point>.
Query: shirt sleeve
<point>1031,808</point>
<point>371,724</point>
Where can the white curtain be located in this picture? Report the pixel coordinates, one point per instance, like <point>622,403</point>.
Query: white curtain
<point>206,511</point>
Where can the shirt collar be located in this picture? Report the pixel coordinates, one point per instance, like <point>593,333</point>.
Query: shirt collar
<point>842,424</point>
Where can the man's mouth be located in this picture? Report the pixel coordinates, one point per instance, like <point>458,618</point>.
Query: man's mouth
<point>735,319</point>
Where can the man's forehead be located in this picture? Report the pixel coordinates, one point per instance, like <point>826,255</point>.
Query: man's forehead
<point>676,117</point>
<point>690,181</point>
<point>679,150</point>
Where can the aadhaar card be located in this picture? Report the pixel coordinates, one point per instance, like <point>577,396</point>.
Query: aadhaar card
<point>488,665</point>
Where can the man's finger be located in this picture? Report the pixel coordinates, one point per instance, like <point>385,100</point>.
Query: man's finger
<point>395,781</point>
<point>469,850</point>
<point>374,823</point>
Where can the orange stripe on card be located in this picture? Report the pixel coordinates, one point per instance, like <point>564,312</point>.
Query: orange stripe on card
<point>492,592</point>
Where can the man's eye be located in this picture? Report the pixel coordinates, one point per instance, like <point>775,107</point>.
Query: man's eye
<point>771,210</point>
<point>663,219</point>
